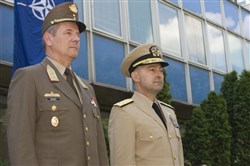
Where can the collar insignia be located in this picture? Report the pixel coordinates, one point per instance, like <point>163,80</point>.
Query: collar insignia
<point>52,74</point>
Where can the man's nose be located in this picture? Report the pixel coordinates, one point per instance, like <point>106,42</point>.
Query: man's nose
<point>77,38</point>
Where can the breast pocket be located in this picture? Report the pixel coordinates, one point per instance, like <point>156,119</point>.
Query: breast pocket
<point>149,143</point>
<point>52,114</point>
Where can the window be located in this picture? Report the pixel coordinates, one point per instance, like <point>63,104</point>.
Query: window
<point>216,48</point>
<point>176,79</point>
<point>231,16</point>
<point>248,54</point>
<point>107,16</point>
<point>246,23</point>
<point>140,21</point>
<point>80,65</point>
<point>109,55</point>
<point>194,38</point>
<point>213,11</point>
<point>174,1</point>
<point>218,79</point>
<point>169,30</point>
<point>80,9</point>
<point>192,5</point>
<point>6,33</point>
<point>236,55</point>
<point>199,84</point>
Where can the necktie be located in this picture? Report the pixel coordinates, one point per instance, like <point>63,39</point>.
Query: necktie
<point>159,113</point>
<point>69,79</point>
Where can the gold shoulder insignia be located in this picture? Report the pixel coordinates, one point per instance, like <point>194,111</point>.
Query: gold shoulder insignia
<point>124,102</point>
<point>166,105</point>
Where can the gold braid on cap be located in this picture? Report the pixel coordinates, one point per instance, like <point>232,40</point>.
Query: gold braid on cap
<point>147,61</point>
<point>62,19</point>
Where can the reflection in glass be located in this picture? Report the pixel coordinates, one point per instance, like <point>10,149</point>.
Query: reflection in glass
<point>248,54</point>
<point>176,79</point>
<point>194,40</point>
<point>80,9</point>
<point>246,23</point>
<point>169,30</point>
<point>216,48</point>
<point>80,65</point>
<point>174,1</point>
<point>107,16</point>
<point>192,5</point>
<point>235,51</point>
<point>218,79</point>
<point>231,16</point>
<point>140,21</point>
<point>199,84</point>
<point>108,58</point>
<point>213,12</point>
<point>6,33</point>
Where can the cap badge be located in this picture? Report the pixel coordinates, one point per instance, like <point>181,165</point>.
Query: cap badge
<point>155,51</point>
<point>73,8</point>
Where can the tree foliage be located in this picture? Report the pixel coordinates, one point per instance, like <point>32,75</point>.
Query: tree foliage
<point>228,90</point>
<point>196,140</point>
<point>241,126</point>
<point>215,110</point>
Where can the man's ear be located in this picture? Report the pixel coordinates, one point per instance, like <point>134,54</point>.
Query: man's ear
<point>47,37</point>
<point>135,76</point>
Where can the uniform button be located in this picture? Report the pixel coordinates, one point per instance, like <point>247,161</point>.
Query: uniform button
<point>84,116</point>
<point>174,157</point>
<point>53,108</point>
<point>86,129</point>
<point>87,143</point>
<point>151,137</point>
<point>170,136</point>
<point>98,117</point>
<point>88,157</point>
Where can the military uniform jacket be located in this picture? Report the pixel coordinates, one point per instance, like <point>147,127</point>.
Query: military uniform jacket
<point>137,135</point>
<point>48,125</point>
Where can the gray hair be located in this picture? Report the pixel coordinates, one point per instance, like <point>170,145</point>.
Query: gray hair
<point>52,30</point>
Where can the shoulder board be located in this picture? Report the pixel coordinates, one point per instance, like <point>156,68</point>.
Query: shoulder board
<point>166,105</point>
<point>124,102</point>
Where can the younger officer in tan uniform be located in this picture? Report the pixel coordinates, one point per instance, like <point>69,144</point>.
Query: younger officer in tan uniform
<point>54,118</point>
<point>143,130</point>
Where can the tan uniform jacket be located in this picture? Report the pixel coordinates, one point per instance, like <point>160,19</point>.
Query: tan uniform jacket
<point>48,125</point>
<point>137,136</point>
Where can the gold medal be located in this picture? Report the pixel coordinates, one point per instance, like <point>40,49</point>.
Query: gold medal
<point>54,121</point>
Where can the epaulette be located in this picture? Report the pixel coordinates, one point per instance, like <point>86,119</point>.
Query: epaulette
<point>124,102</point>
<point>167,105</point>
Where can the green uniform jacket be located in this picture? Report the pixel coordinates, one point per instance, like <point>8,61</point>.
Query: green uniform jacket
<point>137,135</point>
<point>47,123</point>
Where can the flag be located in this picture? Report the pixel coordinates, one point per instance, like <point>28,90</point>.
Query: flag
<point>29,16</point>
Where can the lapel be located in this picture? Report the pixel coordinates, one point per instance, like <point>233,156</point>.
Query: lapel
<point>167,115</point>
<point>86,95</point>
<point>57,79</point>
<point>146,107</point>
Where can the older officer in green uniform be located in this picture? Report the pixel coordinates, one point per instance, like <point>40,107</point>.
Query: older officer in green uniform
<point>54,118</point>
<point>143,130</point>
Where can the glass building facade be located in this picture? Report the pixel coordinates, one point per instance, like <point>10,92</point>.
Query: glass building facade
<point>202,40</point>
